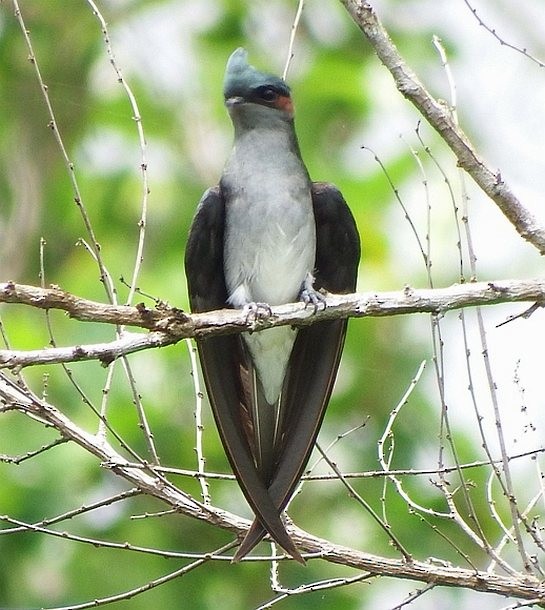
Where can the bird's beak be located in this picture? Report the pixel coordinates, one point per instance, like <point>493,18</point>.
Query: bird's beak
<point>234,101</point>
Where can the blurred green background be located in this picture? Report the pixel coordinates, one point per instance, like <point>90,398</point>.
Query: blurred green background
<point>173,53</point>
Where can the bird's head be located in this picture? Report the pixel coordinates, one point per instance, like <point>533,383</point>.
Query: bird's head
<point>246,89</point>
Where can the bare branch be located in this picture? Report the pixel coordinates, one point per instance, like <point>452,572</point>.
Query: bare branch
<point>79,308</point>
<point>503,42</point>
<point>439,118</point>
<point>150,481</point>
<point>171,325</point>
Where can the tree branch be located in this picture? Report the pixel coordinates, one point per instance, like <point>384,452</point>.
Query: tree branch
<point>439,118</point>
<point>169,325</point>
<point>152,482</point>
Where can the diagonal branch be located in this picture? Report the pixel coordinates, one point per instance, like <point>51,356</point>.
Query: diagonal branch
<point>439,118</point>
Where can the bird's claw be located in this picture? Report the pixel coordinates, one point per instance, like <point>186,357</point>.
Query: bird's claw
<point>255,312</point>
<point>309,296</point>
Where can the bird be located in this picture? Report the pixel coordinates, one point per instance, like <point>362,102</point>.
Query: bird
<point>267,235</point>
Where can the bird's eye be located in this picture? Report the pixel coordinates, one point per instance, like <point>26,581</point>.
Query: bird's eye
<point>267,94</point>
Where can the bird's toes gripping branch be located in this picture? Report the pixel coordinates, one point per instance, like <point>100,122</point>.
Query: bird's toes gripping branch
<point>310,296</point>
<point>255,312</point>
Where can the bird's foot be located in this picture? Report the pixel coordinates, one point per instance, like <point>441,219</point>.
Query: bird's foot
<point>256,312</point>
<point>310,296</point>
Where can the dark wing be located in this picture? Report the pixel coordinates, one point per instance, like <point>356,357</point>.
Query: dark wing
<point>204,254</point>
<point>317,351</point>
<point>337,241</point>
<point>224,362</point>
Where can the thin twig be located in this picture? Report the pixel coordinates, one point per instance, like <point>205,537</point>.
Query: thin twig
<point>412,596</point>
<point>500,39</point>
<point>19,459</point>
<point>387,433</point>
<point>201,461</point>
<point>137,118</point>
<point>149,585</point>
<point>533,453</point>
<point>293,33</point>
<point>320,585</point>
<point>354,494</point>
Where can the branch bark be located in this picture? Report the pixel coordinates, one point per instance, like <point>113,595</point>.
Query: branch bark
<point>169,325</point>
<point>153,483</point>
<point>439,118</point>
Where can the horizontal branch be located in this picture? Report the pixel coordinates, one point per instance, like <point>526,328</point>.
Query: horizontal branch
<point>439,117</point>
<point>153,483</point>
<point>80,308</point>
<point>105,353</point>
<point>169,325</point>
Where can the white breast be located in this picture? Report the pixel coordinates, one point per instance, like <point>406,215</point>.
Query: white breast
<point>270,243</point>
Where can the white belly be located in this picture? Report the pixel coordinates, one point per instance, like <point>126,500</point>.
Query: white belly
<point>270,350</point>
<point>270,247</point>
